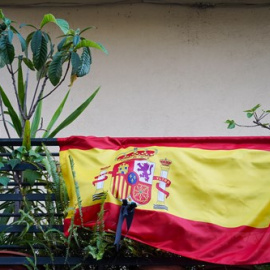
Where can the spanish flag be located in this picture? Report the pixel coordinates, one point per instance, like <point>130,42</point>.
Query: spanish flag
<point>205,198</point>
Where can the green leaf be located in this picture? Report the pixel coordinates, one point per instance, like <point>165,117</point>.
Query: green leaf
<point>76,40</point>
<point>27,24</point>
<point>29,63</point>
<point>2,59</point>
<point>2,16</point>
<point>42,72</point>
<point>85,29</point>
<point>90,43</point>
<point>9,209</point>
<point>3,41</point>
<point>28,40</point>
<point>1,165</point>
<point>56,116</point>
<point>7,21</point>
<point>73,115</point>
<point>13,29</point>
<point>10,36</point>
<point>75,62</point>
<point>22,41</point>
<point>254,108</point>
<point>19,152</point>
<point>31,176</point>
<point>36,157</point>
<point>4,180</point>
<point>61,44</point>
<point>46,19</point>
<point>86,61</point>
<point>231,124</point>
<point>36,41</point>
<point>39,49</point>
<point>27,135</point>
<point>55,68</point>
<point>13,115</point>
<point>13,162</point>
<point>46,163</point>
<point>63,25</point>
<point>21,90</point>
<point>250,114</point>
<point>7,50</point>
<point>36,120</point>
<point>29,37</point>
<point>10,53</point>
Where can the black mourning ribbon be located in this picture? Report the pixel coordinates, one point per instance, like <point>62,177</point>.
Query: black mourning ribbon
<point>126,213</point>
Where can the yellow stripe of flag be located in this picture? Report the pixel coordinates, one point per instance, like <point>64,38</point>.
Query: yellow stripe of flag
<point>229,188</point>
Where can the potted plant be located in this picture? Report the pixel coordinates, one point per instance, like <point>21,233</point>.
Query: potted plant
<point>51,63</point>
<point>21,169</point>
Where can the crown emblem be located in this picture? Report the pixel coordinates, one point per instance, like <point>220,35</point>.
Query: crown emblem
<point>136,154</point>
<point>165,162</point>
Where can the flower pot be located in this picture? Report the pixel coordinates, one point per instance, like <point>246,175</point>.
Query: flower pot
<point>8,253</point>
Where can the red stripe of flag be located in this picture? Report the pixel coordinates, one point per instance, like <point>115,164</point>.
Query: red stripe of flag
<point>193,239</point>
<point>210,143</point>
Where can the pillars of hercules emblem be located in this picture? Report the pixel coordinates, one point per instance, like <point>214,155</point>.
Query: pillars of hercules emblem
<point>99,183</point>
<point>162,184</point>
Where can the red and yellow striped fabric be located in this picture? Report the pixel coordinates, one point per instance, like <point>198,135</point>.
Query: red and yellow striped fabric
<point>206,198</point>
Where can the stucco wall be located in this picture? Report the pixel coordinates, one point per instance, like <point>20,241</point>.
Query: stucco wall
<point>171,71</point>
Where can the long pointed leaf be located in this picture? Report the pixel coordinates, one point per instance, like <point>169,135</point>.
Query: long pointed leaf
<point>27,24</point>
<point>36,120</point>
<point>27,136</point>
<point>56,116</point>
<point>21,90</point>
<point>13,115</point>
<point>22,41</point>
<point>2,16</point>
<point>73,115</point>
<point>28,63</point>
<point>85,29</point>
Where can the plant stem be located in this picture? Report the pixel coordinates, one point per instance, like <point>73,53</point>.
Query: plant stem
<point>34,96</point>
<point>260,124</point>
<point>246,125</point>
<point>10,69</point>
<point>34,104</point>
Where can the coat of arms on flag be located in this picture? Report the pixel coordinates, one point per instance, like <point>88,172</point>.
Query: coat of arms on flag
<point>132,176</point>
